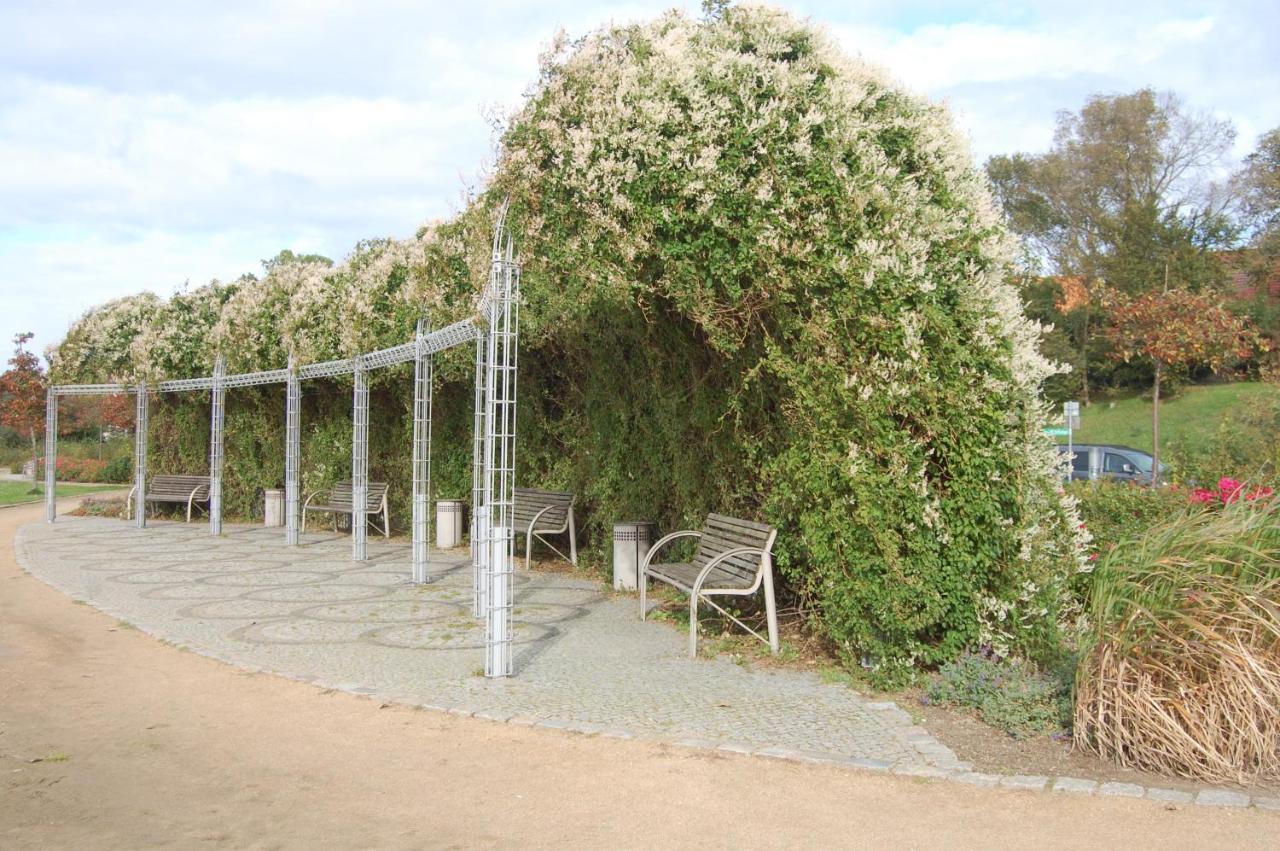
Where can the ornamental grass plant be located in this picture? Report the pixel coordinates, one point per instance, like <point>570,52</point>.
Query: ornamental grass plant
<point>1180,667</point>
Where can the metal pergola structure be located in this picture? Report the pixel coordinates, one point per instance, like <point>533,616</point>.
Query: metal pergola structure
<point>495,330</point>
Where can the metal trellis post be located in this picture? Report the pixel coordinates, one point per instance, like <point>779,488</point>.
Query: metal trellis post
<point>360,462</point>
<point>140,457</point>
<point>50,455</point>
<point>500,433</point>
<point>292,452</point>
<point>479,527</point>
<point>218,398</point>
<point>422,381</point>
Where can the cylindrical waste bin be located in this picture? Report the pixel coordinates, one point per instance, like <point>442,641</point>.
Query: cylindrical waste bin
<point>273,507</point>
<point>448,523</point>
<point>631,542</point>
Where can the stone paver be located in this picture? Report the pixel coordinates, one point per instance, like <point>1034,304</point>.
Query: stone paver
<point>1222,798</point>
<point>1122,790</point>
<point>1170,796</point>
<point>584,661</point>
<point>1075,785</point>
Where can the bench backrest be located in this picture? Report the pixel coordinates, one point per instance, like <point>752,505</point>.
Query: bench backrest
<point>721,534</point>
<point>374,493</point>
<point>530,501</point>
<point>182,486</point>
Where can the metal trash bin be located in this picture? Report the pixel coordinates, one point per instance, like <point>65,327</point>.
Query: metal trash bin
<point>631,542</point>
<point>273,508</point>
<point>449,523</point>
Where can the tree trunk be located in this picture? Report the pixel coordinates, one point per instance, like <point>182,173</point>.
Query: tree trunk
<point>35,458</point>
<point>1084,358</point>
<point>1155,427</point>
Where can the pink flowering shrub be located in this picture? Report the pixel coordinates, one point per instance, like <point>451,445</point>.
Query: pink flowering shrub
<point>1229,490</point>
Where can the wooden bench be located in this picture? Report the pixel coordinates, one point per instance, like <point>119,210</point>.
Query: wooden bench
<point>338,500</point>
<point>538,512</point>
<point>734,558</point>
<point>179,489</point>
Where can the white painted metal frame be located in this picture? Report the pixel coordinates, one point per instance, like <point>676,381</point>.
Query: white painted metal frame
<point>218,399</point>
<point>292,452</point>
<point>422,392</point>
<point>502,339</point>
<point>141,425</point>
<point>50,455</point>
<point>360,463</point>
<point>496,333</point>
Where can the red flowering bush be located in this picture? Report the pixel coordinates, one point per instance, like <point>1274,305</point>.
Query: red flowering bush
<point>1229,490</point>
<point>76,470</point>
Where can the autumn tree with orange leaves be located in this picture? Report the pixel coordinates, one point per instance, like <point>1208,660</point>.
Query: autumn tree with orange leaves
<point>1177,329</point>
<point>22,393</point>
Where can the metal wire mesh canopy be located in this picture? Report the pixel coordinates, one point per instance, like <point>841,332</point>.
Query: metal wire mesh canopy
<point>495,330</point>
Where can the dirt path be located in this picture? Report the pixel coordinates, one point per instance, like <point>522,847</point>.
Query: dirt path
<point>144,745</point>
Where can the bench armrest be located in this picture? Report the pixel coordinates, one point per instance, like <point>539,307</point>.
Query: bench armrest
<point>740,551</point>
<point>538,516</point>
<point>128,503</point>
<point>306,502</point>
<point>662,542</point>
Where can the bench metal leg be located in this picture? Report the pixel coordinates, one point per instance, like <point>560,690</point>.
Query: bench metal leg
<point>770,607</point>
<point>693,625</point>
<point>642,581</point>
<point>528,547</point>
<point>573,539</point>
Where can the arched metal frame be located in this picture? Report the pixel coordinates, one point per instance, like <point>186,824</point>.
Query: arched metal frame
<point>495,330</point>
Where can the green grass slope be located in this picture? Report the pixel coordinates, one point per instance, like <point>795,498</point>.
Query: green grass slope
<point>1192,417</point>
<point>14,493</point>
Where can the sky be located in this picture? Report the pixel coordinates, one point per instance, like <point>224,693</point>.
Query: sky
<point>145,145</point>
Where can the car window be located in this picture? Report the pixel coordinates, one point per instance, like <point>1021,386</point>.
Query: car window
<point>1142,462</point>
<point>1113,463</point>
<point>1080,463</point>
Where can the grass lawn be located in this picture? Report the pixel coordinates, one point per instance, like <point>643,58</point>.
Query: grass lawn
<point>12,493</point>
<point>1192,416</point>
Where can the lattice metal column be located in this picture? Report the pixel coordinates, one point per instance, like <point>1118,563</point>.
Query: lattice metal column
<point>422,391</point>
<point>500,450</point>
<point>360,462</point>
<point>479,528</point>
<point>140,425</point>
<point>292,452</point>
<point>50,455</point>
<point>218,398</point>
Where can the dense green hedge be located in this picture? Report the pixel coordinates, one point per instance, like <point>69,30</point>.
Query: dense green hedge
<point>758,278</point>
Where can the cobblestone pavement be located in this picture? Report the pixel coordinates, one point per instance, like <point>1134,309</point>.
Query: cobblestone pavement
<point>584,660</point>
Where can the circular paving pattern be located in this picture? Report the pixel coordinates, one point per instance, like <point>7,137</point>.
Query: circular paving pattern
<point>448,636</point>
<point>299,632</point>
<point>267,578</point>
<point>317,593</point>
<point>238,609</point>
<point>189,592</point>
<point>384,611</point>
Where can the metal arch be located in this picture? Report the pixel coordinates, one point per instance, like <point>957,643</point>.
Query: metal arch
<point>90,389</point>
<point>495,328</point>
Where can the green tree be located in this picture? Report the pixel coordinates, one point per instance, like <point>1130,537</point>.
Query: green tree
<point>1125,195</point>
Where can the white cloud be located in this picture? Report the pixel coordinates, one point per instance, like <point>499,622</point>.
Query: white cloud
<point>145,143</point>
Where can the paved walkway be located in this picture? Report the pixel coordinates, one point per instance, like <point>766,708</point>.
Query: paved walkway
<point>584,661</point>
